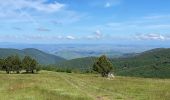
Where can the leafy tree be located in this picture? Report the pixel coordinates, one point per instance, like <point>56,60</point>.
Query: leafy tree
<point>103,66</point>
<point>8,64</point>
<point>2,64</point>
<point>16,63</point>
<point>11,63</point>
<point>29,64</point>
<point>33,65</point>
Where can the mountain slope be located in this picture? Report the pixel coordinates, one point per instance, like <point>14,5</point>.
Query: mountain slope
<point>8,52</point>
<point>152,63</point>
<point>40,56</point>
<point>79,63</point>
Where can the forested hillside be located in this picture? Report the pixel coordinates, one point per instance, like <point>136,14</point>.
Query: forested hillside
<point>152,63</point>
<point>40,56</point>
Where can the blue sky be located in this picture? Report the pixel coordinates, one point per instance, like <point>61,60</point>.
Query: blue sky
<point>85,21</point>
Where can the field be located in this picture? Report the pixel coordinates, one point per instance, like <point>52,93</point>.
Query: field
<point>63,86</point>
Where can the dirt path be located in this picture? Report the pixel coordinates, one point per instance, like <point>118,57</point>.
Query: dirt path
<point>74,85</point>
<point>83,85</point>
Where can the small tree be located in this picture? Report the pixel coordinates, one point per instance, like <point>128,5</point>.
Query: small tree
<point>103,66</point>
<point>16,62</point>
<point>33,65</point>
<point>8,64</point>
<point>29,64</point>
<point>2,64</point>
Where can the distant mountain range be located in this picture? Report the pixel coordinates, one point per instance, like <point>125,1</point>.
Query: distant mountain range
<point>40,56</point>
<point>73,51</point>
<point>73,54</point>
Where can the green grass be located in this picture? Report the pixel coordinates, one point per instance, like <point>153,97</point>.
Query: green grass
<point>63,86</point>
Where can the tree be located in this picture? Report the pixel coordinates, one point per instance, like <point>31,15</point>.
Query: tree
<point>33,65</point>
<point>8,64</point>
<point>103,66</point>
<point>2,64</point>
<point>16,63</point>
<point>12,63</point>
<point>29,64</point>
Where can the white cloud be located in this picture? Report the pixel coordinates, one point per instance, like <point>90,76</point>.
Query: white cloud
<point>13,11</point>
<point>105,3</point>
<point>68,17</point>
<point>151,36</point>
<point>70,37</point>
<point>7,6</point>
<point>143,23</point>
<point>36,37</point>
<point>96,35</point>
<point>33,12</point>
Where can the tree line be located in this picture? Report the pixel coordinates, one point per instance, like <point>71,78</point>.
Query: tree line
<point>15,64</point>
<point>102,66</point>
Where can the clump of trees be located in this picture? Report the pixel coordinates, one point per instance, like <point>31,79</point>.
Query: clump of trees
<point>103,66</point>
<point>16,65</point>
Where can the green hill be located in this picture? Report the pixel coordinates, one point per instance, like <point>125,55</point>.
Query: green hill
<point>79,63</point>
<point>8,52</point>
<point>152,63</point>
<point>40,56</point>
<point>73,54</point>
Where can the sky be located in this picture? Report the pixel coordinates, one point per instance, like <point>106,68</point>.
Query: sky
<point>85,21</point>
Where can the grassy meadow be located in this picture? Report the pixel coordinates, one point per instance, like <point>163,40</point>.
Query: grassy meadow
<point>70,86</point>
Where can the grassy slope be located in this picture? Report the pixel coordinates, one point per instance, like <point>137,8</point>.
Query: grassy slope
<point>63,86</point>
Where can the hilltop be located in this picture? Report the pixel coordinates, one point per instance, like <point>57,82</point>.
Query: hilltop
<point>40,56</point>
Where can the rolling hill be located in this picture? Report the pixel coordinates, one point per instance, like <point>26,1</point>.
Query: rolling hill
<point>73,54</point>
<point>79,63</point>
<point>40,56</point>
<point>152,63</point>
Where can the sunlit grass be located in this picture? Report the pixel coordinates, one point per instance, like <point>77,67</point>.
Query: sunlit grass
<point>64,86</point>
